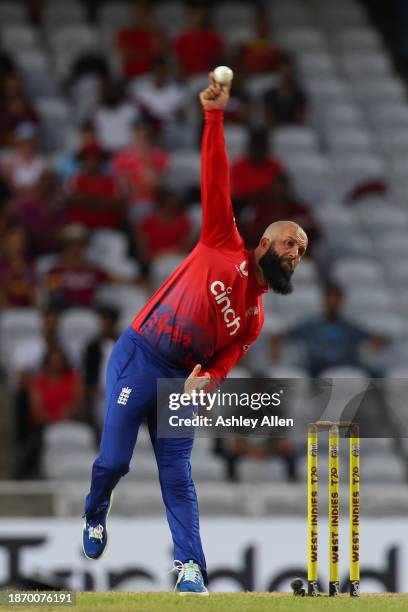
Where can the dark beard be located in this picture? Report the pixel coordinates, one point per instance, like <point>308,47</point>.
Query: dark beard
<point>277,276</point>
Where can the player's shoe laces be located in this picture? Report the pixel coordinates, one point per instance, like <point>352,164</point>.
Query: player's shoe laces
<point>190,579</point>
<point>95,535</point>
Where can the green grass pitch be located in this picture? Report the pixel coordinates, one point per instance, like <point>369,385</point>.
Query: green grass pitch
<point>221,602</point>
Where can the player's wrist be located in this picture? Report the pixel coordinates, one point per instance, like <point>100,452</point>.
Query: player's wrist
<point>214,114</point>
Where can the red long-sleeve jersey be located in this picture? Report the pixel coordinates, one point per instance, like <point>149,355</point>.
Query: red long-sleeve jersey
<point>210,309</point>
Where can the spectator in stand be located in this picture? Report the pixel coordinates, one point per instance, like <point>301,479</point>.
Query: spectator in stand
<point>15,108</point>
<point>17,274</point>
<point>286,103</point>
<point>26,360</point>
<point>74,281</point>
<point>26,170</point>
<point>139,43</point>
<point>163,101</point>
<point>200,47</point>
<point>94,366</point>
<point>259,55</point>
<point>114,118</point>
<point>238,110</point>
<point>256,175</point>
<point>166,230</point>
<point>69,165</point>
<point>282,203</point>
<point>42,212</point>
<point>141,166</point>
<point>55,394</point>
<point>330,340</point>
<point>95,198</point>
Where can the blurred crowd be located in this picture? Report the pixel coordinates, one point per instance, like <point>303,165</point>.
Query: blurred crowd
<point>116,175</point>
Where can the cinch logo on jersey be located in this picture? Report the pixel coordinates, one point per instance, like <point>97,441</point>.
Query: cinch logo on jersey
<point>217,288</point>
<point>124,396</point>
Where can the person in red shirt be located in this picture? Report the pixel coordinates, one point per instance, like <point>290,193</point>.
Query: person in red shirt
<point>166,230</point>
<point>141,167</point>
<point>95,198</point>
<point>259,55</point>
<point>56,392</point>
<point>74,281</point>
<point>196,327</point>
<point>139,43</point>
<point>200,47</point>
<point>256,174</point>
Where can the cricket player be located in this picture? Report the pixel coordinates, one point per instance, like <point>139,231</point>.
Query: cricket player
<point>197,326</point>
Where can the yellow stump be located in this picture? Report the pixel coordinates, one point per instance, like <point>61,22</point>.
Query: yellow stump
<point>354,514</point>
<point>334,511</point>
<point>312,510</point>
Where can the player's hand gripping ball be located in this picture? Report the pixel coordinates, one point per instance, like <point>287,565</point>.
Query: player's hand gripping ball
<point>223,75</point>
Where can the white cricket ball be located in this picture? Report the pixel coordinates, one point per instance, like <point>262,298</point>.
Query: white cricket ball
<point>223,75</point>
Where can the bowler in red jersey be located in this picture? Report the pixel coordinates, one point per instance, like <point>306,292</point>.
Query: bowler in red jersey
<point>197,326</point>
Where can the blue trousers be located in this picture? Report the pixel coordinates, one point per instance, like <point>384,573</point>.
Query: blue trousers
<point>133,369</point>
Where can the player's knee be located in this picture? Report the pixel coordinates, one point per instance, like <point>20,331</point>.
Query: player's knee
<point>176,476</point>
<point>112,467</point>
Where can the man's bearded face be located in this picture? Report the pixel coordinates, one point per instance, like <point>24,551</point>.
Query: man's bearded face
<point>277,272</point>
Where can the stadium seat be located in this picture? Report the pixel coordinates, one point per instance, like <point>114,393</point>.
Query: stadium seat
<point>292,139</point>
<point>378,92</point>
<point>306,274</point>
<point>257,85</point>
<point>162,267</point>
<point>356,168</point>
<point>230,13</point>
<point>60,14</point>
<point>123,297</point>
<point>56,123</point>
<point>238,34</point>
<point>312,174</point>
<point>66,466</point>
<point>114,14</point>
<point>380,216</point>
<point>361,38</point>
<point>171,16</point>
<point>288,13</point>
<point>69,436</point>
<point>333,90</point>
<point>360,64</point>
<point>394,141</point>
<point>367,300</point>
<point>300,39</point>
<point>19,37</point>
<point>350,140</point>
<point>12,12</point>
<point>184,170</point>
<point>390,115</point>
<point>106,241</point>
<point>272,470</point>
<point>236,139</point>
<point>78,326</point>
<point>78,38</point>
<point>339,115</point>
<point>314,64</point>
<point>36,70</point>
<point>346,13</point>
<point>302,303</point>
<point>386,468</point>
<point>352,271</point>
<point>16,324</point>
